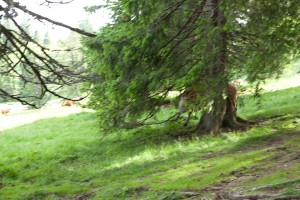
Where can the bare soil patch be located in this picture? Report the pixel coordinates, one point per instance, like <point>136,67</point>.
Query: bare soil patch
<point>21,115</point>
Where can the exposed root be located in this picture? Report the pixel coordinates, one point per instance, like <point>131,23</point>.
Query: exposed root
<point>277,184</point>
<point>262,196</point>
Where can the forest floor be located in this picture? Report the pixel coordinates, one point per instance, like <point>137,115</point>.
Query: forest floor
<point>60,154</point>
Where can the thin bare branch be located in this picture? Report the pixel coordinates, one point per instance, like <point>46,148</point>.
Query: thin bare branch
<point>56,2</point>
<point>40,17</point>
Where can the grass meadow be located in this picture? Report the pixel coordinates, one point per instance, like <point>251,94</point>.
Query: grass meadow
<point>67,157</point>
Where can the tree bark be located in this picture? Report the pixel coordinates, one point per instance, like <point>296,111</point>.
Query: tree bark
<point>212,121</point>
<point>228,118</point>
<point>223,112</point>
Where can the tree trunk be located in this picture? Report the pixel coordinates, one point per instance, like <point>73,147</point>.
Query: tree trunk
<point>226,117</point>
<point>212,121</point>
<point>217,113</point>
<point>230,116</point>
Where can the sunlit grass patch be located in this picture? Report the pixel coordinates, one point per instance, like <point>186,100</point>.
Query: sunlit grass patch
<point>202,172</point>
<point>32,153</point>
<point>272,104</point>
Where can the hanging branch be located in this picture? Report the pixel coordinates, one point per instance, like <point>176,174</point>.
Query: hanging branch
<point>26,59</point>
<point>40,17</point>
<point>57,2</point>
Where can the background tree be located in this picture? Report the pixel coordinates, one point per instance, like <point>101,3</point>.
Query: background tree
<point>72,58</point>
<point>25,58</point>
<point>154,47</point>
<point>46,40</point>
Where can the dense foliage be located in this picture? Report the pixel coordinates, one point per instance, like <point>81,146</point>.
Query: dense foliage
<point>154,47</point>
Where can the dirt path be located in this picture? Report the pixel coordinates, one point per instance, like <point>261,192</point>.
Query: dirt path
<point>18,118</point>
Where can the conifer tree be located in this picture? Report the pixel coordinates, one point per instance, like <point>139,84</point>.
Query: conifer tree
<point>154,47</point>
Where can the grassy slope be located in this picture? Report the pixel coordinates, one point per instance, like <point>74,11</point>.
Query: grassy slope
<point>66,158</point>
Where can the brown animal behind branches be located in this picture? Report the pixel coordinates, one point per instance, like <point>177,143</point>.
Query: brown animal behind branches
<point>190,95</point>
<point>67,103</point>
<point>5,111</point>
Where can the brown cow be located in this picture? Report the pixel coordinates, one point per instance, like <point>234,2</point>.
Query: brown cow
<point>5,111</point>
<point>67,103</point>
<point>190,95</point>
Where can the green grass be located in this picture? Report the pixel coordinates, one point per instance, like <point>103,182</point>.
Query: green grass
<point>272,104</point>
<point>67,158</point>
